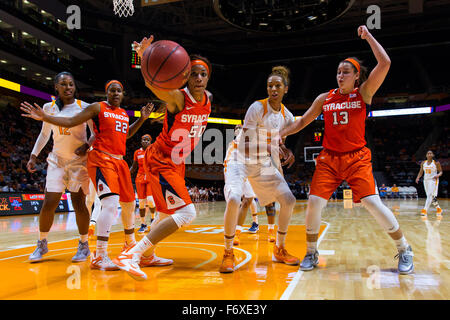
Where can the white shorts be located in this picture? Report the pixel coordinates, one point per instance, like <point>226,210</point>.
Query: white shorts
<point>431,187</point>
<point>67,174</point>
<point>266,181</point>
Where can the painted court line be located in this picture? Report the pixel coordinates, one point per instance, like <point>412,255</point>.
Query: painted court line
<point>287,293</point>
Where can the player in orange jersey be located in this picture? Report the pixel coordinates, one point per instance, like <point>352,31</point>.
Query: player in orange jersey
<point>345,156</point>
<point>107,170</point>
<point>143,187</point>
<point>185,121</point>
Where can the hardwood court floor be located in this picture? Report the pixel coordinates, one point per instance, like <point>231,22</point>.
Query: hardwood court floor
<point>356,261</point>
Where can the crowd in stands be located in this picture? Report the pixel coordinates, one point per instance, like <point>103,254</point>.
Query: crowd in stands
<point>204,194</point>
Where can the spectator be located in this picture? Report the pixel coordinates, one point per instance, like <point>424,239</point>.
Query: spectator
<point>395,191</point>
<point>383,190</point>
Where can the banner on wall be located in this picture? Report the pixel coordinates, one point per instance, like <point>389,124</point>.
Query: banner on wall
<point>27,203</point>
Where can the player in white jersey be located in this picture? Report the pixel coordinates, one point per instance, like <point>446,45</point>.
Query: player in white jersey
<point>258,160</point>
<point>66,166</point>
<point>431,171</point>
<point>248,195</point>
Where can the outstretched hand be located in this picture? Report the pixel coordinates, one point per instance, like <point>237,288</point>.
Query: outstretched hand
<point>140,47</point>
<point>35,112</point>
<point>147,110</point>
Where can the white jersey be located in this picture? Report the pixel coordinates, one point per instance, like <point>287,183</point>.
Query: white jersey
<point>268,122</point>
<point>429,170</point>
<point>65,140</point>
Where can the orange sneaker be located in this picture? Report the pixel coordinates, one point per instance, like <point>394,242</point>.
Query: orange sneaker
<point>102,262</point>
<point>129,262</point>
<point>236,240</point>
<point>227,262</point>
<point>127,245</point>
<point>272,236</point>
<point>423,213</point>
<point>154,261</point>
<point>280,254</point>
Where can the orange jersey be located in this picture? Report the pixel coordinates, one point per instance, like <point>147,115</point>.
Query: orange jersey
<point>345,121</point>
<point>182,131</point>
<point>139,158</point>
<point>111,129</point>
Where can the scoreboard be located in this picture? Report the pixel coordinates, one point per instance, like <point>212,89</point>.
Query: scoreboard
<point>135,59</point>
<point>27,203</point>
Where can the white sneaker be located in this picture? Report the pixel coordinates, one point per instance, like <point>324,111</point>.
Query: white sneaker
<point>102,262</point>
<point>129,262</point>
<point>154,261</point>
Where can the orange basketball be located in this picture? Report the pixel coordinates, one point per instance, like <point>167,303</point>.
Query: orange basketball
<point>165,65</point>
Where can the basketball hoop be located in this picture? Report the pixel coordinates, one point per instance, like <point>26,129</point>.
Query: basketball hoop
<point>123,8</point>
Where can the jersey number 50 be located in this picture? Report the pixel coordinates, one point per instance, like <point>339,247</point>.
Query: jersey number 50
<point>121,126</point>
<point>196,131</point>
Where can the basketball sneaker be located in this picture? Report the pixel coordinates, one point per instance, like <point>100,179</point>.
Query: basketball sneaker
<point>310,261</point>
<point>254,227</point>
<point>405,261</point>
<point>129,262</point>
<point>280,254</point>
<point>227,262</point>
<point>83,252</point>
<point>272,236</point>
<point>102,262</point>
<point>423,213</point>
<point>40,250</point>
<point>143,228</point>
<point>236,240</point>
<point>154,261</point>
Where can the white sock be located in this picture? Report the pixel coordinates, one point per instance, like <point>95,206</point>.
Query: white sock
<point>130,239</point>
<point>141,246</point>
<point>228,243</point>
<point>401,244</point>
<point>271,226</point>
<point>311,247</point>
<point>43,235</point>
<point>84,237</point>
<point>102,248</point>
<point>281,237</point>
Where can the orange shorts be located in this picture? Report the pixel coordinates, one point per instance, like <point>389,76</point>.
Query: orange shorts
<point>167,181</point>
<point>354,167</point>
<point>143,187</point>
<point>110,176</point>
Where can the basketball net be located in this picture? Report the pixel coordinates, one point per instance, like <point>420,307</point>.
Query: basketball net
<point>123,8</point>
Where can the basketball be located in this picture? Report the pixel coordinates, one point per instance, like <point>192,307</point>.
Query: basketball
<point>165,65</point>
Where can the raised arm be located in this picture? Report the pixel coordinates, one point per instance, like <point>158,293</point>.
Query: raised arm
<point>145,113</point>
<point>378,74</point>
<point>35,112</point>
<point>312,113</point>
<point>174,98</point>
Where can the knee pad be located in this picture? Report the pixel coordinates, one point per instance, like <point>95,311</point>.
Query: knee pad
<point>142,203</point>
<point>107,215</point>
<point>150,202</point>
<point>185,215</point>
<point>381,213</point>
<point>314,214</point>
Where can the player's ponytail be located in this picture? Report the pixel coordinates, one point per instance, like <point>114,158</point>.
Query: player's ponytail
<point>283,72</point>
<point>355,63</point>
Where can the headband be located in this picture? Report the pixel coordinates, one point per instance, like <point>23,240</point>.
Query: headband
<point>200,62</point>
<point>354,63</point>
<point>111,82</point>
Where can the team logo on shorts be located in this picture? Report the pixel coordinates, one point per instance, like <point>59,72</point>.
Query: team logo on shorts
<point>173,201</point>
<point>100,187</point>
